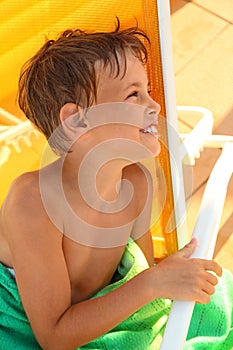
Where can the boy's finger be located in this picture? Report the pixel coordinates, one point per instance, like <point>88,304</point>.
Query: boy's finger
<point>210,265</point>
<point>188,249</point>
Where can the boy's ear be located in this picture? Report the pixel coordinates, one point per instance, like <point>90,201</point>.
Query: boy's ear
<point>67,111</point>
<point>71,117</point>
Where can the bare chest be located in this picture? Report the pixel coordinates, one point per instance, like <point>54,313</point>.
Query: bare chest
<point>90,269</point>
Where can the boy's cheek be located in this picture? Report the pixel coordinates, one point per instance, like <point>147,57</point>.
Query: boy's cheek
<point>116,113</point>
<point>108,122</point>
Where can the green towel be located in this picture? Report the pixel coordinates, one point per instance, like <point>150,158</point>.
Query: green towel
<point>211,325</point>
<point>15,330</point>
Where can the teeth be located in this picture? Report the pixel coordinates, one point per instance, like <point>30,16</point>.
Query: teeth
<point>152,129</point>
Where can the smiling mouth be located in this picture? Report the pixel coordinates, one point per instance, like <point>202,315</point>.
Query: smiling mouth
<point>151,129</point>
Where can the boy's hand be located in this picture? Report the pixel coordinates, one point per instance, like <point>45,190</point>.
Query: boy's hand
<point>182,278</point>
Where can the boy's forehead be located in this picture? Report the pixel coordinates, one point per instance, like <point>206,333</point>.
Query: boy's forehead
<point>129,68</point>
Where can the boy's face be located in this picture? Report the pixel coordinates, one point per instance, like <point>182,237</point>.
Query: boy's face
<point>123,119</point>
<point>132,88</point>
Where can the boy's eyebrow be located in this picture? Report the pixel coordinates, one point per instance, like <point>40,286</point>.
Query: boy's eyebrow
<point>136,84</point>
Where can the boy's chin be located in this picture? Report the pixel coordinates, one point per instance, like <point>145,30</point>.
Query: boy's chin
<point>157,149</point>
<point>154,152</point>
<point>152,143</point>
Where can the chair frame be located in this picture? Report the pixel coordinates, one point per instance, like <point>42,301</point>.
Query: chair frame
<point>213,201</point>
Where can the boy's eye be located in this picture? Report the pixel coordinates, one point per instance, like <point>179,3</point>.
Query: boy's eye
<point>133,94</point>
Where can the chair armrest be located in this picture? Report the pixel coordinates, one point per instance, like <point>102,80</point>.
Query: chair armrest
<point>205,231</point>
<point>193,142</point>
<point>7,118</point>
<point>12,134</point>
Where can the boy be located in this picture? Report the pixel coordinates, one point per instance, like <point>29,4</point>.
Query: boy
<point>68,229</point>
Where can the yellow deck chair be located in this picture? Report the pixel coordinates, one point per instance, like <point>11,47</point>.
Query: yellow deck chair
<point>21,145</point>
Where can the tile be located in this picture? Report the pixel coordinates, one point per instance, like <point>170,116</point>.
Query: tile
<point>222,8</point>
<point>224,257</point>
<point>207,80</point>
<point>175,5</point>
<point>192,30</point>
<point>224,126</point>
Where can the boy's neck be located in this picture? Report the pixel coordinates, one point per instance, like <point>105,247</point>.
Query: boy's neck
<point>109,179</point>
<point>106,179</point>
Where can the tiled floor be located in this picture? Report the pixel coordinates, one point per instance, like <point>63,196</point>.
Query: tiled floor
<point>203,58</point>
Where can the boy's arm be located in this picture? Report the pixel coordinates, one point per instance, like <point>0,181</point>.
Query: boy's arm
<point>44,285</point>
<point>146,245</point>
<point>143,186</point>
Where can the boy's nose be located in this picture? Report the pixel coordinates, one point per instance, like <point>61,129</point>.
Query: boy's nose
<point>154,106</point>
<point>153,109</point>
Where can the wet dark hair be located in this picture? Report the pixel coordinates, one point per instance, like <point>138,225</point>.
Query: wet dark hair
<point>63,71</point>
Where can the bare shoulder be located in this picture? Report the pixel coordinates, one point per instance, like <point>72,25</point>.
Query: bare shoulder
<point>23,209</point>
<point>25,194</point>
<point>23,191</point>
<point>20,200</point>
